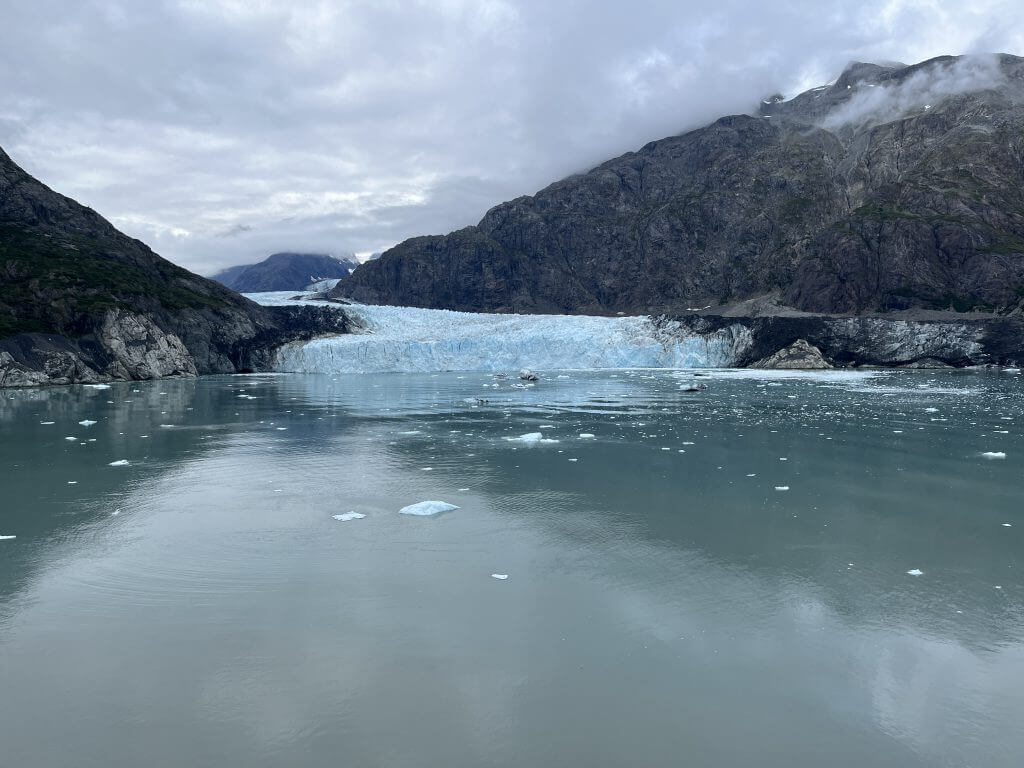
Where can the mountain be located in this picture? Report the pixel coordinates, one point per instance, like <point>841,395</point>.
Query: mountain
<point>285,272</point>
<point>80,301</point>
<point>893,188</point>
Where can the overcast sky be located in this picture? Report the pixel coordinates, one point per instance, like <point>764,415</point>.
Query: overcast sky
<point>219,131</point>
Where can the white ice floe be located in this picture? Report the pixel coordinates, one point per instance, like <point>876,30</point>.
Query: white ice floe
<point>993,455</point>
<point>71,438</point>
<point>348,516</point>
<point>7,538</point>
<point>915,572</point>
<point>425,508</point>
<point>531,438</point>
<point>499,576</point>
<point>1007,525</point>
<point>586,436</point>
<point>87,422</point>
<point>47,423</point>
<point>781,487</point>
<point>119,463</point>
<point>97,386</point>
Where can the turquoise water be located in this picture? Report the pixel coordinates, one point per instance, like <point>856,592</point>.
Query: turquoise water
<point>665,605</point>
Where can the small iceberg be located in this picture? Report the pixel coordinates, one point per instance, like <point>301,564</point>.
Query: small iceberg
<point>7,538</point>
<point>586,436</point>
<point>993,455</point>
<point>427,508</point>
<point>915,572</point>
<point>348,516</point>
<point>47,423</point>
<point>531,438</point>
<point>119,463</point>
<point>72,439</point>
<point>97,386</point>
<point>87,422</point>
<point>499,576</point>
<point>781,487</point>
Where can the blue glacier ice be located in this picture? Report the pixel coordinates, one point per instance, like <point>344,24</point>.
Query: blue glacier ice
<point>406,339</point>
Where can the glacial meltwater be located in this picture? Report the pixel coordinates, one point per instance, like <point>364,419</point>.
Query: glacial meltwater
<point>782,570</point>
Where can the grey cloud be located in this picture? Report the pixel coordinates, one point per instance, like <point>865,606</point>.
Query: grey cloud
<point>928,86</point>
<point>331,126</point>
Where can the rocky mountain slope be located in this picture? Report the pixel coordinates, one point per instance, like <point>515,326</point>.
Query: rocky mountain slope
<point>285,272</point>
<point>80,301</point>
<point>893,188</point>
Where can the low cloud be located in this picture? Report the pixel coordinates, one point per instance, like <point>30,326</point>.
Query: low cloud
<point>339,127</point>
<point>921,90</point>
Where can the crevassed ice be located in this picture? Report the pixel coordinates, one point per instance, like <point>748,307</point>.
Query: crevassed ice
<point>406,339</point>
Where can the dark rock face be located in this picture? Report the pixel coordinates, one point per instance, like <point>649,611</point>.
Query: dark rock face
<point>80,301</point>
<point>285,272</point>
<point>894,188</point>
<point>868,340</point>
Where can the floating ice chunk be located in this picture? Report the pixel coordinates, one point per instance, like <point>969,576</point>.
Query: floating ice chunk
<point>7,538</point>
<point>97,386</point>
<point>993,455</point>
<point>915,572</point>
<point>931,410</point>
<point>781,487</point>
<point>411,432</point>
<point>1007,525</point>
<point>348,516</point>
<point>119,463</point>
<point>463,489</point>
<point>47,423</point>
<point>425,508</point>
<point>499,576</point>
<point>531,438</point>
<point>87,422</point>
<point>71,438</point>
<point>586,436</point>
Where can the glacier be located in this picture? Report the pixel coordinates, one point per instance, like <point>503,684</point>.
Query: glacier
<point>410,340</point>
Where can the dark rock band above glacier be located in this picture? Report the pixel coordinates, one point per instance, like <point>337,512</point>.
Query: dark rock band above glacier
<point>876,220</point>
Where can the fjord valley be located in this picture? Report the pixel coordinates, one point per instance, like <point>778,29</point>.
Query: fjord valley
<point>708,455</point>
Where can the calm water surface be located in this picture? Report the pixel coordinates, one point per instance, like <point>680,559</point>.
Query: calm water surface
<point>665,605</point>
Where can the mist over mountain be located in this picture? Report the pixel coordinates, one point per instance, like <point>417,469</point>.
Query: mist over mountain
<point>892,188</point>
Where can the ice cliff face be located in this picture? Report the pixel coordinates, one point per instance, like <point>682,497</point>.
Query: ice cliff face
<point>403,339</point>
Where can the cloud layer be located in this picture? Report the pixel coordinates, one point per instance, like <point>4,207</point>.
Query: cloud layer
<point>221,130</point>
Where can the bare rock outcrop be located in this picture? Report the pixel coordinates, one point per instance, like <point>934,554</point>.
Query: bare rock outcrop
<point>797,356</point>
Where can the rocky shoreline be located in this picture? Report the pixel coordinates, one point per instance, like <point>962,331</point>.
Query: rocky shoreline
<point>866,341</point>
<point>132,346</point>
